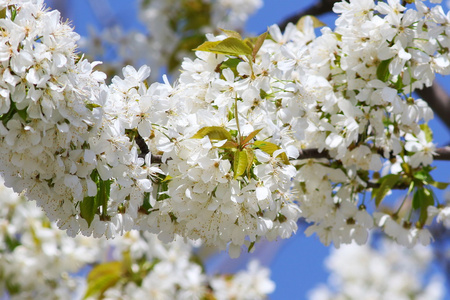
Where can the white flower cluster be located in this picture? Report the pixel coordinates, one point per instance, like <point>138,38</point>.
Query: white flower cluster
<point>391,272</point>
<point>253,283</point>
<point>173,28</point>
<point>48,108</point>
<point>38,261</point>
<point>343,93</point>
<point>234,134</point>
<point>61,137</point>
<point>230,14</point>
<point>375,58</point>
<point>173,275</point>
<point>124,178</point>
<point>442,213</point>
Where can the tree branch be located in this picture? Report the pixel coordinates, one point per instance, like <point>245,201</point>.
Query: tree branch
<point>321,7</point>
<point>441,154</point>
<point>438,100</point>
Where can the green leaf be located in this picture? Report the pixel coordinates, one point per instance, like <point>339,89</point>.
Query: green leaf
<point>103,196</point>
<point>252,244</point>
<point>262,94</point>
<point>423,176</point>
<point>23,114</point>
<point>231,64</point>
<point>386,184</point>
<point>428,133</point>
<point>383,70</point>
<point>421,200</point>
<point>250,136</point>
<point>250,157</point>
<point>406,168</point>
<point>88,209</point>
<point>232,33</point>
<point>13,13</point>
<point>13,287</point>
<point>229,46</point>
<point>214,133</point>
<point>316,22</point>
<point>240,163</point>
<point>89,205</point>
<point>270,148</point>
<point>399,84</point>
<point>3,13</point>
<point>207,46</point>
<point>267,147</point>
<point>258,44</point>
<point>91,106</point>
<point>146,206</point>
<point>229,145</point>
<point>418,198</point>
<point>439,185</point>
<point>102,277</point>
<point>10,242</point>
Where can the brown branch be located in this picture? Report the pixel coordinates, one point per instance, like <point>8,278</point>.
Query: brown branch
<point>313,153</point>
<point>441,154</point>
<point>321,7</point>
<point>438,100</point>
<point>375,185</point>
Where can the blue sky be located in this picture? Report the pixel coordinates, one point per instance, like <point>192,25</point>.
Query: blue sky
<point>297,263</point>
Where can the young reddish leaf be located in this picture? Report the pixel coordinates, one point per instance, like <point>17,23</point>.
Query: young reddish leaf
<point>250,136</point>
<point>259,42</point>
<point>214,133</point>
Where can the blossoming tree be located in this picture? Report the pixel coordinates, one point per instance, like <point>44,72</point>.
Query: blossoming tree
<point>253,135</point>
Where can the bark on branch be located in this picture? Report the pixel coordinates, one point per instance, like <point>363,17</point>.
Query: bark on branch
<point>441,154</point>
<point>438,100</point>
